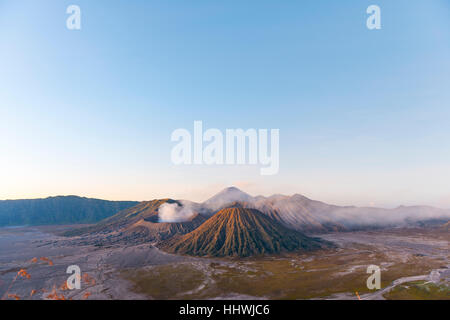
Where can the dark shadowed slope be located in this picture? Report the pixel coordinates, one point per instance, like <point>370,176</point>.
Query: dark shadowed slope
<point>58,210</point>
<point>241,232</point>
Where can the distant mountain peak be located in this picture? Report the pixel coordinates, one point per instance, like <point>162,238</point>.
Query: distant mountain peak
<point>232,190</point>
<point>227,196</point>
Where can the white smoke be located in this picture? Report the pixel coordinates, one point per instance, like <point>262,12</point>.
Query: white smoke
<point>400,216</point>
<point>173,212</point>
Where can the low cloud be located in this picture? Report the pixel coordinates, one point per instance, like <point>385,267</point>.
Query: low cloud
<point>173,212</point>
<point>298,209</point>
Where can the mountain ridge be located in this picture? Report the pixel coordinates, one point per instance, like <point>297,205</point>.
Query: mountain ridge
<point>138,224</point>
<point>58,210</point>
<point>313,216</point>
<point>297,212</point>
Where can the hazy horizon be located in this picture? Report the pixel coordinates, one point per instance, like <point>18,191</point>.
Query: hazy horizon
<point>201,200</point>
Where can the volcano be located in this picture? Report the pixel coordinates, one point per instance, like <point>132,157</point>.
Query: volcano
<point>227,197</point>
<point>294,212</point>
<point>139,224</point>
<point>238,231</point>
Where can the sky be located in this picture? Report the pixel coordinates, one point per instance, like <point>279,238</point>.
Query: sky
<point>364,115</point>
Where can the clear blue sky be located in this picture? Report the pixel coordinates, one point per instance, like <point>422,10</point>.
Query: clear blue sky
<point>364,116</point>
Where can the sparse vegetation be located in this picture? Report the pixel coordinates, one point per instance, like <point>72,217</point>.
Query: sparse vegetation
<point>166,282</point>
<point>419,290</point>
<point>291,276</point>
